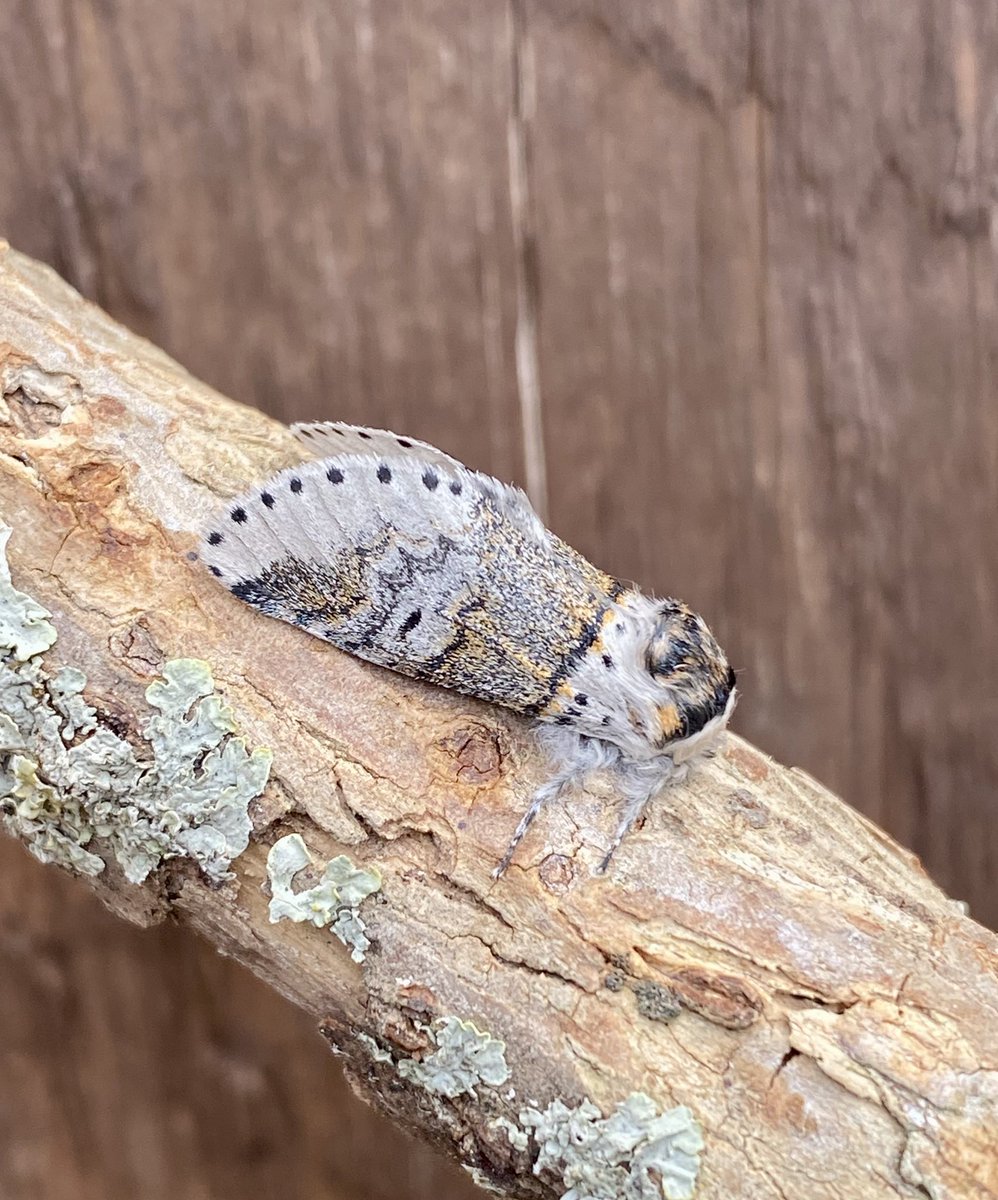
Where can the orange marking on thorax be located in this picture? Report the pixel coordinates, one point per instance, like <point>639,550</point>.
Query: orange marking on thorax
<point>668,720</point>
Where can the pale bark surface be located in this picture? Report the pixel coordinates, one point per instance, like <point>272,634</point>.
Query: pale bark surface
<point>838,1028</point>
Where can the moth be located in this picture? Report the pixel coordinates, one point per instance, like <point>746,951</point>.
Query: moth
<point>399,554</point>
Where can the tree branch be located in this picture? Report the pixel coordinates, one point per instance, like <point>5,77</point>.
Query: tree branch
<point>759,953</point>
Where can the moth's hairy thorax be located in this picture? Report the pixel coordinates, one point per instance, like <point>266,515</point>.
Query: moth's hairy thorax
<point>611,694</point>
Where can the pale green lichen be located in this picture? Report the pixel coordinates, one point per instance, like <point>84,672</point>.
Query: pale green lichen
<point>66,779</point>
<point>464,1058</point>
<point>24,626</point>
<point>54,831</point>
<point>517,1139</point>
<point>637,1153</point>
<point>481,1180</point>
<point>66,691</point>
<point>377,1054</point>
<point>332,902</point>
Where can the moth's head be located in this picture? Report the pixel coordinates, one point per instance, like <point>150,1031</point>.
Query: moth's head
<point>694,684</point>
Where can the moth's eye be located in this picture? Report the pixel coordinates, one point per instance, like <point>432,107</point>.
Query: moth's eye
<point>666,655</point>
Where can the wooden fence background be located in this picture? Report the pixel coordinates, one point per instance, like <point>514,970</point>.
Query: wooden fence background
<point>716,280</point>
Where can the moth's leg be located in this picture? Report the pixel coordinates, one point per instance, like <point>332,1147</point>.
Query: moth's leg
<point>575,756</point>
<point>548,791</point>
<point>634,807</point>
<point>639,790</point>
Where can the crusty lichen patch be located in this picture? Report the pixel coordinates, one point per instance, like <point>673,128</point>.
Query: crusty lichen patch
<point>333,901</point>
<point>66,779</point>
<point>25,629</point>
<point>376,1052</point>
<point>464,1058</point>
<point>656,1002</point>
<point>481,1180</point>
<point>516,1137</point>
<point>637,1153</point>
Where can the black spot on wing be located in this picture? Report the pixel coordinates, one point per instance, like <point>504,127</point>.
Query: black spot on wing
<point>250,591</point>
<point>404,443</point>
<point>238,515</point>
<point>216,572</point>
<point>362,434</point>
<point>295,485</point>
<point>411,621</point>
<point>384,473</point>
<point>267,499</point>
<point>455,487</point>
<point>334,475</point>
<point>430,480</point>
<point>260,593</point>
<point>214,538</point>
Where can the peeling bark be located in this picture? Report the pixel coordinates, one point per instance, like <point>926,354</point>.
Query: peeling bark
<point>760,953</point>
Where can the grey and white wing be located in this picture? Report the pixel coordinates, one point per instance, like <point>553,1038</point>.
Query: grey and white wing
<point>323,439</point>
<point>334,438</point>
<point>416,564</point>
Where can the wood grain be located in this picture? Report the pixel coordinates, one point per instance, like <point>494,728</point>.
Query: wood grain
<point>737,256</point>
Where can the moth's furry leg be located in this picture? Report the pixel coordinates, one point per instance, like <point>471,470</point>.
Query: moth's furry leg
<point>577,756</point>
<point>639,783</point>
<point>548,791</point>
<point>634,806</point>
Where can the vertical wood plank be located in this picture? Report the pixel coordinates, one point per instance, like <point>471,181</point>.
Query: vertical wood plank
<point>312,213</point>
